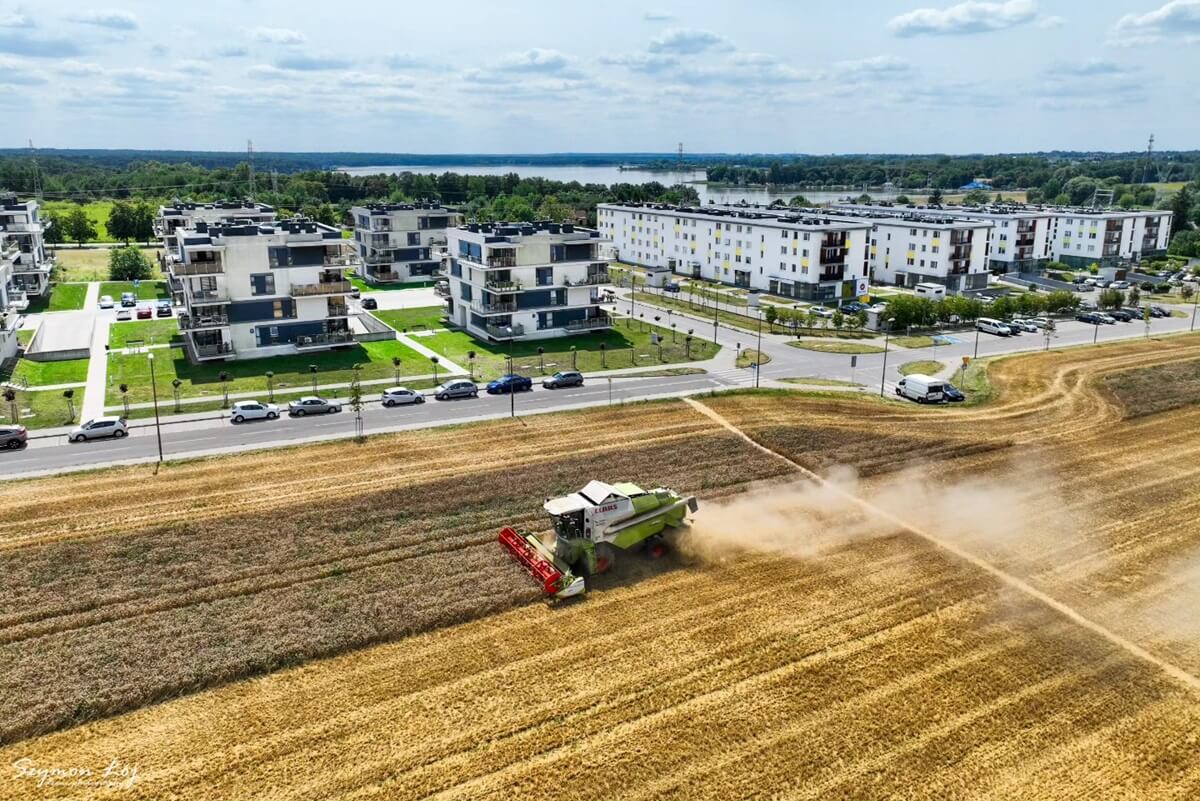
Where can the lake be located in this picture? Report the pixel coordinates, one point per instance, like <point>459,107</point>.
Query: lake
<point>612,175</point>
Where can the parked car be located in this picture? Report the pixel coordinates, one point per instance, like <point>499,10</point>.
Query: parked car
<point>921,388</point>
<point>1119,285</point>
<point>163,309</point>
<point>854,307</point>
<point>457,388</point>
<point>106,302</point>
<point>1086,288</point>
<point>509,383</point>
<point>1089,317</point>
<point>672,286</point>
<point>952,393</point>
<point>1107,319</point>
<point>821,311</point>
<point>400,396</point>
<point>144,313</point>
<point>1038,322</point>
<point>370,304</point>
<point>13,437</point>
<point>989,326</point>
<point>311,404</point>
<point>128,299</point>
<point>1122,315</point>
<point>124,315</point>
<point>1159,311</point>
<point>1079,279</point>
<point>565,378</point>
<point>253,410</point>
<point>355,293</point>
<point>1021,324</point>
<point>99,428</point>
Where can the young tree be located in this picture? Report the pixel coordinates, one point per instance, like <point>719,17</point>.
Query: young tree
<point>121,223</point>
<point>935,197</point>
<point>143,221</point>
<point>1181,205</point>
<point>54,233</point>
<point>770,314</point>
<point>839,319</point>
<point>1186,292</point>
<point>128,264</point>
<point>78,227</point>
<point>1111,299</point>
<point>1135,296</point>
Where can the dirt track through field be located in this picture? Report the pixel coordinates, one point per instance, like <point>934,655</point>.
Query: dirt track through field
<point>1013,581</point>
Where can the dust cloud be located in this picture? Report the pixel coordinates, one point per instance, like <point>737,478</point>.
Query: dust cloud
<point>806,518</point>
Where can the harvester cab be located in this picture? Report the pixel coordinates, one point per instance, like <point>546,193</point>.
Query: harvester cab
<point>590,526</point>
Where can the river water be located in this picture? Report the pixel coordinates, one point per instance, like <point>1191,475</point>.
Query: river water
<point>718,193</point>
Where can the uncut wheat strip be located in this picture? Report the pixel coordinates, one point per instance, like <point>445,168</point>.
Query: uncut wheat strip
<point>217,500</point>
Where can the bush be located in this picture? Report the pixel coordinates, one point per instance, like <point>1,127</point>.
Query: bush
<point>1163,288</point>
<point>128,264</point>
<point>1147,286</point>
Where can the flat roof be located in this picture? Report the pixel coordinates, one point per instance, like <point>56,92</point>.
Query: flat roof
<point>800,218</point>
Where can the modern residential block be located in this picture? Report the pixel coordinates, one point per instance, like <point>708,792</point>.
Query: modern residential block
<point>180,214</point>
<point>526,280</point>
<point>21,225</point>
<point>261,289</point>
<point>804,255</point>
<point>402,242</point>
<point>12,300</point>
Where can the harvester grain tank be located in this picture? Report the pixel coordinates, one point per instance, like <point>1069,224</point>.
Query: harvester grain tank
<point>590,526</point>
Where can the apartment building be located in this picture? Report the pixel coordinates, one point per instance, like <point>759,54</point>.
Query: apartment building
<point>180,214</point>
<point>20,223</point>
<point>402,242</point>
<point>519,281</point>
<point>12,301</point>
<point>806,255</point>
<point>261,289</point>
<point>1024,237</point>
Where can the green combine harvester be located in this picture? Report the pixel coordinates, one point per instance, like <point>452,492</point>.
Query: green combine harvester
<point>589,527</point>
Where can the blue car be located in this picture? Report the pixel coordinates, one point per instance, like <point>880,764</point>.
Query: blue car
<point>952,393</point>
<point>509,383</point>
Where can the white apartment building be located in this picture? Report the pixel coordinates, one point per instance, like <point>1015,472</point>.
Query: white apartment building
<point>180,214</point>
<point>261,289</point>
<point>19,221</point>
<point>1025,237</point>
<point>402,242</point>
<point>12,301</point>
<point>518,281</point>
<point>805,255</point>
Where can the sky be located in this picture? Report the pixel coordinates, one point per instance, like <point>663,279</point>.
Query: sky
<point>758,76</point>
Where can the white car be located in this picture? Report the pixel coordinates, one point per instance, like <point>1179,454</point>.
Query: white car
<point>311,404</point>
<point>124,315</point>
<point>1023,325</point>
<point>821,311</point>
<point>399,396</point>
<point>1038,322</point>
<point>106,302</point>
<point>98,428</point>
<point>253,410</point>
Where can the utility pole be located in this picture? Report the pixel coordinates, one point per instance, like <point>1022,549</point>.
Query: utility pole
<point>1149,160</point>
<point>37,173</point>
<point>250,162</point>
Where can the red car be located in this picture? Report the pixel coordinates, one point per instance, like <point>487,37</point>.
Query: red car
<point>145,313</point>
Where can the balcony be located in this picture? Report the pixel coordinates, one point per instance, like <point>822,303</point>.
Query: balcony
<point>503,286</point>
<point>322,288</point>
<point>341,261</point>
<point>216,351</point>
<point>832,275</point>
<point>383,275</point>
<point>208,295</point>
<point>188,322</point>
<point>589,324</point>
<point>441,291</point>
<point>833,255</point>
<point>959,267</point>
<point>493,308</point>
<point>198,268</point>
<point>324,340</point>
<point>503,331</point>
<point>337,310</point>
<point>591,280</point>
<point>960,237</point>
<point>502,261</point>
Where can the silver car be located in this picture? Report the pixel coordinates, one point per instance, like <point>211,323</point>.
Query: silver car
<point>399,396</point>
<point>253,410</point>
<point>99,428</point>
<point>313,405</point>
<point>458,388</point>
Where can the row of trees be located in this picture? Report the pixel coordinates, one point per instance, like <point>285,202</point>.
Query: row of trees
<point>910,310</point>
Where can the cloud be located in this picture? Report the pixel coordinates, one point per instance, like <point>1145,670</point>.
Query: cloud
<point>535,60</point>
<point>643,63</point>
<point>1177,16</point>
<point>685,42</point>
<point>21,45</point>
<point>875,67</point>
<point>658,16</point>
<point>312,63</point>
<point>232,51</point>
<point>1051,22</point>
<point>17,19</point>
<point>283,36</point>
<point>371,81</point>
<point>17,73</point>
<point>964,18</point>
<point>1091,68</point>
<point>406,61</point>
<point>192,67</point>
<point>78,69</point>
<point>109,18</point>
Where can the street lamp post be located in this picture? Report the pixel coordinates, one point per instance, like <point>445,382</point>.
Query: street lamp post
<point>976,356</point>
<point>887,332</point>
<point>758,360</point>
<point>512,391</point>
<point>312,368</point>
<point>154,393</point>
<point>1195,300</point>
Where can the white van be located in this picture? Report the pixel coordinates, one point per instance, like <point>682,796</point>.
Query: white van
<point>921,388</point>
<point>989,326</point>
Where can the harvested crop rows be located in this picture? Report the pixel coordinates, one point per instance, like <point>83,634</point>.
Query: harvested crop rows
<point>875,666</point>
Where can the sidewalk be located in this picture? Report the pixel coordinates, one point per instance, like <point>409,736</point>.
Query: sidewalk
<point>411,341</point>
<point>93,396</point>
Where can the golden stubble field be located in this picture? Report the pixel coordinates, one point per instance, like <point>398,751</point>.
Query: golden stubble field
<point>796,650</point>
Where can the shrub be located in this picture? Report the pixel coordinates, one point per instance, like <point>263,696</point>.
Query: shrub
<point>128,264</point>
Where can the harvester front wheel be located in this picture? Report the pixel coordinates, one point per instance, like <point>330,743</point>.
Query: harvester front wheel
<point>605,556</point>
<point>656,548</point>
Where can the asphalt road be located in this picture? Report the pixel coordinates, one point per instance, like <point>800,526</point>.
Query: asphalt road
<point>213,435</point>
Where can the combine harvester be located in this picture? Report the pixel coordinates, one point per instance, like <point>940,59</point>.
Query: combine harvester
<point>589,526</point>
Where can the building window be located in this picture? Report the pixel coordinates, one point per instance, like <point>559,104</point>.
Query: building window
<point>262,284</point>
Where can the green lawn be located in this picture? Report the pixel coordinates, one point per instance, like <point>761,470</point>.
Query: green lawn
<point>91,264</point>
<point>837,347</point>
<point>923,366</point>
<point>151,332</point>
<point>62,297</point>
<point>815,381</point>
<point>626,345</point>
<point>72,371</point>
<point>147,290</point>
<point>409,319</point>
<point>749,356</point>
<point>24,335</point>
<point>42,409</point>
<point>723,314</point>
<point>249,375</point>
<point>913,342</point>
<point>363,286</point>
<point>96,210</point>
